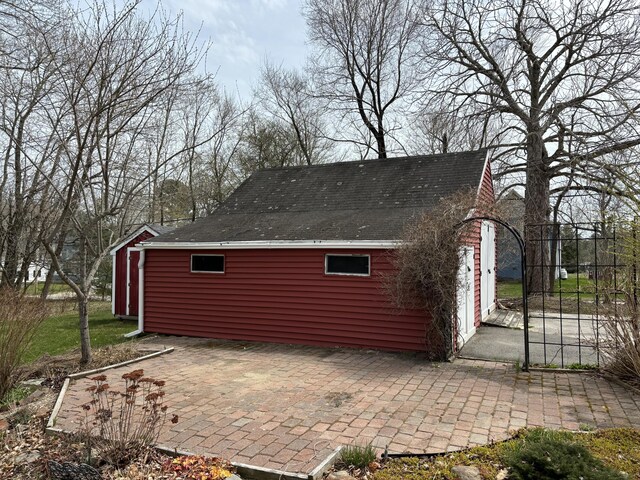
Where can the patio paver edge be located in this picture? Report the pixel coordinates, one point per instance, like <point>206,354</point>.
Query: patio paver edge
<point>75,376</point>
<point>251,471</point>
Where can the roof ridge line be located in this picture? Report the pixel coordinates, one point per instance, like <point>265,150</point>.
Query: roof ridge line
<point>368,160</point>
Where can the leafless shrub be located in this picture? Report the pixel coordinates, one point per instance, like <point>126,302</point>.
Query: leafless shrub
<point>619,336</point>
<point>120,425</point>
<point>619,342</point>
<point>426,268</point>
<point>19,318</point>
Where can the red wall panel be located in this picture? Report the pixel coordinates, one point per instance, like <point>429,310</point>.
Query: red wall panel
<point>279,295</point>
<point>120,288</point>
<point>486,197</point>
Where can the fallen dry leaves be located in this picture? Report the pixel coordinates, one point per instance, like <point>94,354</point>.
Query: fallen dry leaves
<point>197,467</point>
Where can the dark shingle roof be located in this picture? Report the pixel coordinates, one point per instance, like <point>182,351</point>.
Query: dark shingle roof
<point>365,200</point>
<point>161,229</point>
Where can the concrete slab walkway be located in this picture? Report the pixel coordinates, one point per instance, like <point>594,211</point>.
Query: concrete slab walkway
<point>287,407</point>
<point>557,339</point>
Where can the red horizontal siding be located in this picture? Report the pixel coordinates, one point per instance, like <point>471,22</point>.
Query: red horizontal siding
<point>277,296</point>
<point>120,288</point>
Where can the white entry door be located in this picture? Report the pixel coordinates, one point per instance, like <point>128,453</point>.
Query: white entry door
<point>466,318</point>
<point>487,268</point>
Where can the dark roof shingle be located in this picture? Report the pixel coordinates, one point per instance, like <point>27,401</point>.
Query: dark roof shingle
<point>365,200</point>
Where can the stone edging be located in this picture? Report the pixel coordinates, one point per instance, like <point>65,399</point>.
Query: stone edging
<point>58,404</point>
<point>75,376</point>
<point>565,370</point>
<point>262,473</point>
<point>533,369</point>
<point>325,465</point>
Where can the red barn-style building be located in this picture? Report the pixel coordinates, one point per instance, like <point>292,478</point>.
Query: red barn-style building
<point>124,260</point>
<point>297,255</point>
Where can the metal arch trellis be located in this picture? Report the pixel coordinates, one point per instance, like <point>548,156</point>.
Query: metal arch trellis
<point>593,264</point>
<point>523,269</point>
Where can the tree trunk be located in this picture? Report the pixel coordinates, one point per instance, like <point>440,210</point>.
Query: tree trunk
<point>536,208</point>
<point>47,284</point>
<point>49,280</point>
<point>12,253</point>
<point>381,144</point>
<point>85,339</point>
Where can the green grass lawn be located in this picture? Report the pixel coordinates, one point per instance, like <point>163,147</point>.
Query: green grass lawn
<point>509,289</point>
<point>60,332</point>
<point>574,283</point>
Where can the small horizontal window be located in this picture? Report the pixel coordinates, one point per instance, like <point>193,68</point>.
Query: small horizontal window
<point>207,263</point>
<point>347,264</point>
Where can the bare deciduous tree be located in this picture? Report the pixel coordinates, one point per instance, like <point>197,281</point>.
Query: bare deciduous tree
<point>27,76</point>
<point>265,143</point>
<point>115,68</point>
<point>212,120</point>
<point>366,63</point>
<point>218,172</point>
<point>561,77</point>
<point>439,131</point>
<point>287,96</point>
<point>102,112</point>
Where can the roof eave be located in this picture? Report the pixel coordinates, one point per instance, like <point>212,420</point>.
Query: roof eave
<point>272,244</point>
<point>131,236</point>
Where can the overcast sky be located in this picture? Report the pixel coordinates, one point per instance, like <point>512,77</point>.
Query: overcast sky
<point>242,33</point>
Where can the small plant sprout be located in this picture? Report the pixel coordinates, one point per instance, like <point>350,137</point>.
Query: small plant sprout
<point>357,456</point>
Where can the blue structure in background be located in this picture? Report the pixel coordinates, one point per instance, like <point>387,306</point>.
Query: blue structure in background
<point>509,266</point>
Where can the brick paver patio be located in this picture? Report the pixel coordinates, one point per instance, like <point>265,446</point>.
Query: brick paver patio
<point>287,407</point>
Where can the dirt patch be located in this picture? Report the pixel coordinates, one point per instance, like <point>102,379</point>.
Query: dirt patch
<point>565,304</point>
<point>54,369</point>
<point>337,398</point>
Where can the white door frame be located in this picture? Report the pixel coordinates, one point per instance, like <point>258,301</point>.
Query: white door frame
<point>128,285</point>
<point>487,268</point>
<point>466,296</point>
<point>113,283</point>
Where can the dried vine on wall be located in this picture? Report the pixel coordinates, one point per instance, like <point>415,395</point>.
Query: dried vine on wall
<point>426,268</point>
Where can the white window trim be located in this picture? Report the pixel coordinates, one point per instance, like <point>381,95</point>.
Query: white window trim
<point>326,264</point>
<point>224,263</point>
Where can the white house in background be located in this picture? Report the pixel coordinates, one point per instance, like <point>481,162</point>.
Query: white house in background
<point>37,272</point>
